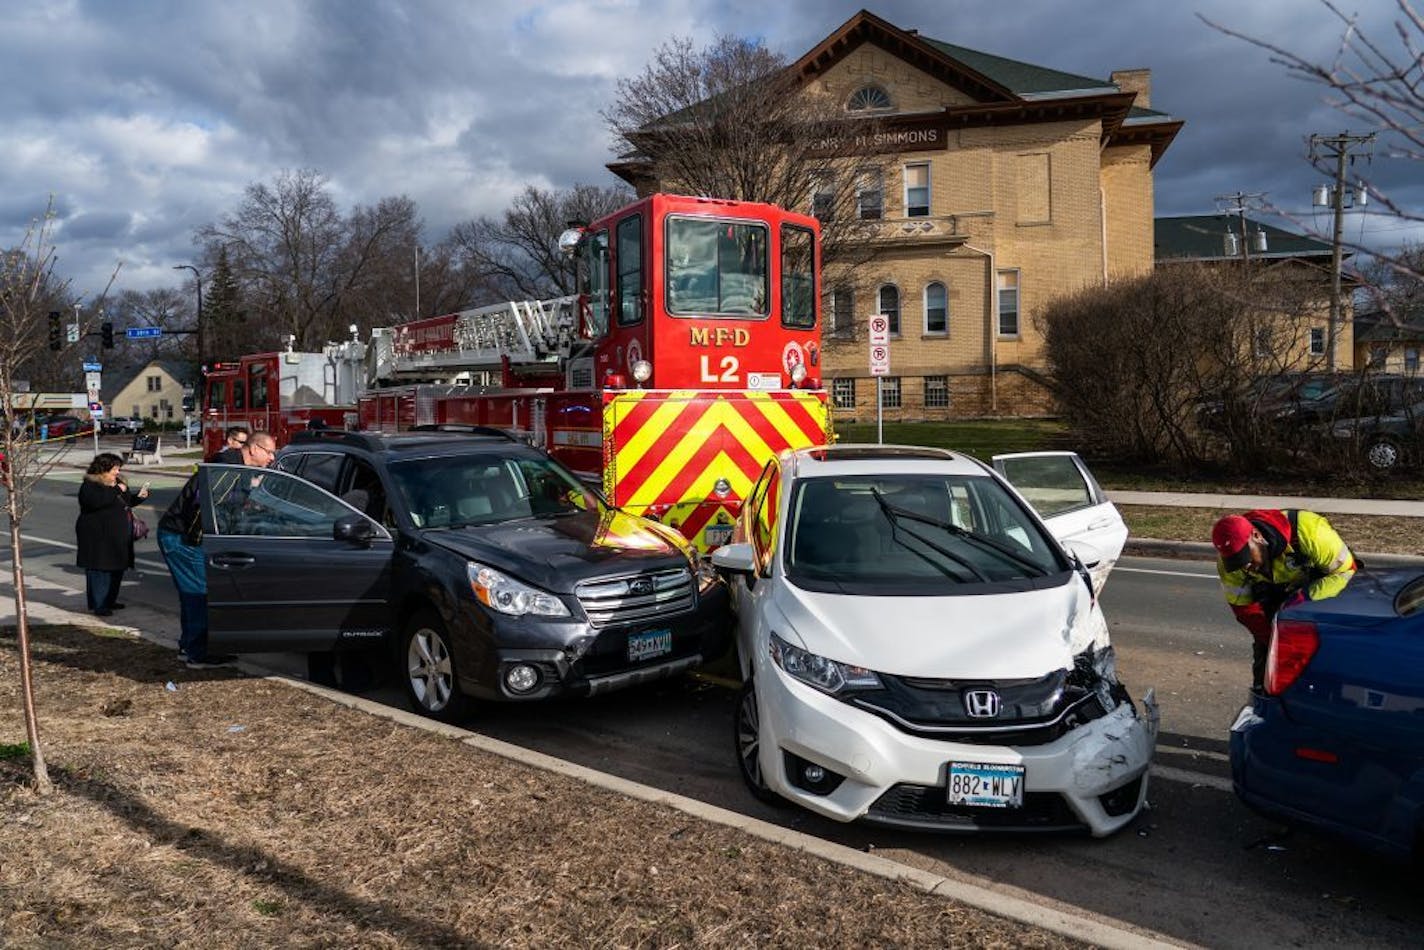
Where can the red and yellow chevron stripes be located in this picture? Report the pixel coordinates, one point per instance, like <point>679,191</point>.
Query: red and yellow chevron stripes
<point>689,457</point>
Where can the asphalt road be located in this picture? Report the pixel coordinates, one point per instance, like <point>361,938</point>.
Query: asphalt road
<point>1198,866</point>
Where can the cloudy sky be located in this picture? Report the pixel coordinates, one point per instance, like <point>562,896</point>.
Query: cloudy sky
<point>146,119</point>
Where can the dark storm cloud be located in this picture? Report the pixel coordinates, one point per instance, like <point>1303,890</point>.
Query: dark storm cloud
<point>148,119</point>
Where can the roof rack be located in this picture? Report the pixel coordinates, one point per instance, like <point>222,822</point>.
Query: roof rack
<point>489,431</point>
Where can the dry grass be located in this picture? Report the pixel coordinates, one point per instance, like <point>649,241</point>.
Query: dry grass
<point>233,811</point>
<point>1363,533</point>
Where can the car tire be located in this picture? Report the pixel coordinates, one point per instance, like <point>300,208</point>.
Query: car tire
<point>746,742</point>
<point>1383,455</point>
<point>428,670</point>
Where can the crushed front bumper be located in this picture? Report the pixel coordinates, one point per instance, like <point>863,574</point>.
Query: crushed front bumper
<point>1093,778</point>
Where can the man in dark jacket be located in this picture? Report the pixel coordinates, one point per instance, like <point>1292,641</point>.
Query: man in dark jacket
<point>231,453</point>
<point>180,538</point>
<point>104,532</point>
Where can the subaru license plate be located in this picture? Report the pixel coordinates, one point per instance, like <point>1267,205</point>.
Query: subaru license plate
<point>986,785</point>
<point>717,535</point>
<point>646,646</point>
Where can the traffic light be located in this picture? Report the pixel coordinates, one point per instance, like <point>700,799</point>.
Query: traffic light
<point>106,335</point>
<point>56,332</point>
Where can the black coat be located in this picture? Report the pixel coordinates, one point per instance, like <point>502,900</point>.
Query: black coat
<point>102,530</point>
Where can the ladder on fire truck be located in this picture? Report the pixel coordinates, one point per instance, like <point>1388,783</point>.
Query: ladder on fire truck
<point>528,332</point>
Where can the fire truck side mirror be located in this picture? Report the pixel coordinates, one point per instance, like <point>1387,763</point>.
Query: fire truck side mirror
<point>569,241</point>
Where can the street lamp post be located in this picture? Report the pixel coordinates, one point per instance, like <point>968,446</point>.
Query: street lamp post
<point>198,326</point>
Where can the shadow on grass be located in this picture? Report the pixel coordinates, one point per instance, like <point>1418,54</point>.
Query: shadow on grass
<point>240,859</point>
<point>92,650</point>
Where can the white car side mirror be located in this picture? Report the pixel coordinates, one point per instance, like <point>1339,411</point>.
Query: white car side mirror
<point>734,559</point>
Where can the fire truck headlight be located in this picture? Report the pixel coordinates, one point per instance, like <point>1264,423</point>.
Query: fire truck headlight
<point>642,371</point>
<point>798,373</point>
<point>507,595</point>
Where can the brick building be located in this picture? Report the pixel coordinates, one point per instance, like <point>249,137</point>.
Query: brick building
<point>994,187</point>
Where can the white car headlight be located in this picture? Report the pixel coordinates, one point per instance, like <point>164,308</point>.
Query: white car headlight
<point>829,676</point>
<point>507,595</point>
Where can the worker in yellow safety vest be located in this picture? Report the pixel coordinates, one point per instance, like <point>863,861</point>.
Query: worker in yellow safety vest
<point>1268,559</point>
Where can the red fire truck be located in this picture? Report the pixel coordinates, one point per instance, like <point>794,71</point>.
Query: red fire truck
<point>690,356</point>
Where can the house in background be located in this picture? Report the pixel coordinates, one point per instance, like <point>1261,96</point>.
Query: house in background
<point>997,187</point>
<point>1389,344</point>
<point>1215,239</point>
<point>154,393</point>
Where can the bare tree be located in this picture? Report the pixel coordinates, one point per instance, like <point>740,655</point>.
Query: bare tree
<point>29,291</point>
<point>1138,365</point>
<point>736,120</point>
<point>518,256</point>
<point>1376,81</point>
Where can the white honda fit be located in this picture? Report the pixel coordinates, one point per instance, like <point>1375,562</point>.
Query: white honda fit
<point>918,650</point>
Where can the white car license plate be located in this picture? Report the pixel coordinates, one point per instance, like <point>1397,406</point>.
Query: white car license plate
<point>986,785</point>
<point>717,535</point>
<point>646,646</point>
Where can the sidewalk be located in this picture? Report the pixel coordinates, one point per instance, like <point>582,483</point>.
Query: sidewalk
<point>1335,506</point>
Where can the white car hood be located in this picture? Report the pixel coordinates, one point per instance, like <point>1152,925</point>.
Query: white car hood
<point>986,636</point>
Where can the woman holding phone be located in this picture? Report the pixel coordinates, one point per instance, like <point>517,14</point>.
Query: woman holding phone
<point>104,532</point>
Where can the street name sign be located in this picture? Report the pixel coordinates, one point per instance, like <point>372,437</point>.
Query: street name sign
<point>143,333</point>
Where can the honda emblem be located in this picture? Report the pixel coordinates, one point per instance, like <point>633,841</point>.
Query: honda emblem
<point>982,703</point>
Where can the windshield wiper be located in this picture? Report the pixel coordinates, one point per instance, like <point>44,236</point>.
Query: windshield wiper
<point>894,512</point>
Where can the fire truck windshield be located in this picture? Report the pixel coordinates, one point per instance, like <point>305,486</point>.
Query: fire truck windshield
<point>716,267</point>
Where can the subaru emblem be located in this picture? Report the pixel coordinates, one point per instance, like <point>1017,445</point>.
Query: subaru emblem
<point>641,586</point>
<point>982,703</point>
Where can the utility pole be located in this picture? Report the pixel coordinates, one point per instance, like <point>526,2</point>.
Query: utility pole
<point>1337,147</point>
<point>1237,204</point>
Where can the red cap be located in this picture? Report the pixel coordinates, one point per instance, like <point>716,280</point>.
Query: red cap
<point>1230,536</point>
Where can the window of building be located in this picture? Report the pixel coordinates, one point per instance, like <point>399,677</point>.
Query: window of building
<point>890,392</point>
<point>1411,359</point>
<point>888,301</point>
<point>869,194</point>
<point>1379,353</point>
<point>155,383</point>
<point>629,251</point>
<point>1008,283</point>
<point>823,195</point>
<point>1317,341</point>
<point>138,411</point>
<point>869,98</point>
<point>843,393</point>
<point>1261,342</point>
<point>936,392</point>
<point>842,311</point>
<point>917,190</point>
<point>936,308</point>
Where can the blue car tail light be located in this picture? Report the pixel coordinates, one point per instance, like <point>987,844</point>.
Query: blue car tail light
<point>1293,645</point>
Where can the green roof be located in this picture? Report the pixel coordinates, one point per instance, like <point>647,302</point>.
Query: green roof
<point>1200,237</point>
<point>1018,77</point>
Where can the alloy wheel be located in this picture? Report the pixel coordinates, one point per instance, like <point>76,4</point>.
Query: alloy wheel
<point>1382,455</point>
<point>431,674</point>
<point>749,738</point>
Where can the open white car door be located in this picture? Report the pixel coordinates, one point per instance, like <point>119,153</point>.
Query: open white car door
<point>1068,499</point>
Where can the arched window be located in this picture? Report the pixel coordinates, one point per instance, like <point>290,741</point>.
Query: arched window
<point>889,302</point>
<point>869,98</point>
<point>936,308</point>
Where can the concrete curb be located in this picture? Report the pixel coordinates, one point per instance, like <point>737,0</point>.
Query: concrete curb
<point>987,896</point>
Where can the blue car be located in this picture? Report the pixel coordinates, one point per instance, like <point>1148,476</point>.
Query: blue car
<point>1336,739</point>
